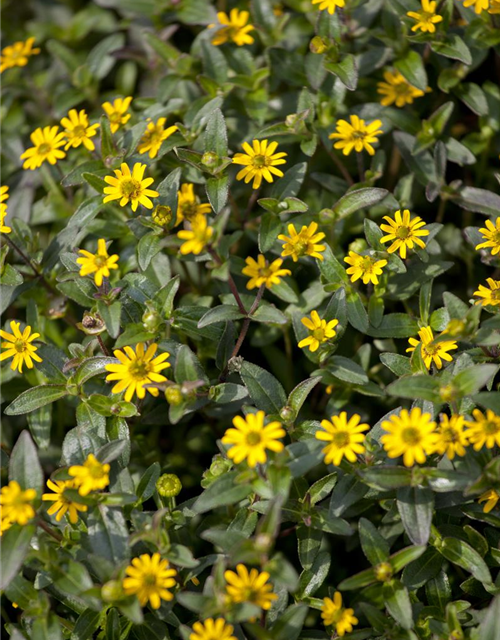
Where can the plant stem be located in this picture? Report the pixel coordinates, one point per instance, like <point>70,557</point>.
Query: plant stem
<point>361,166</point>
<point>23,256</point>
<point>339,165</point>
<point>43,525</point>
<point>104,349</point>
<point>230,282</point>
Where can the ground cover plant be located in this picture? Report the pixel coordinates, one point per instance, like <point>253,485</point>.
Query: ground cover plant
<point>250,286</point>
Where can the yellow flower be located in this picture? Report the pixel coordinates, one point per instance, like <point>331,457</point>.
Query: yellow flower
<point>78,130</point>
<point>17,54</point>
<point>4,195</point>
<point>320,331</point>
<point>153,137</point>
<point>46,143</point>
<point>304,243</point>
<point>479,5</point>
<point>188,204</point>
<point>492,236</point>
<point>494,7</point>
<point>99,263</point>
<point>117,112</point>
<point>5,523</point>
<point>253,587</point>
<point>212,629</point>
<point>427,18</point>
<point>334,614</point>
<point>404,232</point>
<point>396,88</point>
<point>62,504</point>
<point>250,438</point>
<point>18,346</point>
<point>234,28</point>
<point>411,435</point>
<point>137,369</point>
<point>491,497</point>
<point>127,186</point>
<point>92,475</point>
<point>452,439</point>
<point>196,238</point>
<point>344,438</point>
<point>489,296</point>
<point>17,507</point>
<point>484,430</point>
<point>357,135</point>
<point>149,578</point>
<point>259,162</point>
<point>432,352</point>
<point>364,267</point>
<point>261,272</point>
<point>329,5</point>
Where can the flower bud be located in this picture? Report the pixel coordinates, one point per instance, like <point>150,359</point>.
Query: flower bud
<point>168,485</point>
<point>318,45</point>
<point>358,245</point>
<point>151,320</point>
<point>383,572</point>
<point>111,591</point>
<point>448,393</point>
<point>219,466</point>
<point>173,395</point>
<point>287,414</point>
<point>162,215</point>
<point>210,159</point>
<point>455,327</point>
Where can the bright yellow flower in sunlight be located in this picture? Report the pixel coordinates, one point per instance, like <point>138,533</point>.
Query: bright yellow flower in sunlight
<point>4,195</point>
<point>404,232</point>
<point>46,143</point>
<point>344,438</point>
<point>117,112</point>
<point>303,243</point>
<point>196,238</point>
<point>130,186</point>
<point>426,19</point>
<point>334,614</point>
<point>397,89</point>
<point>153,137</point>
<point>259,162</point>
<point>250,438</point>
<point>78,130</point>
<point>261,272</point>
<point>150,578</point>
<point>364,267</point>
<point>250,586</point>
<point>98,263</point>
<point>320,331</point>
<point>189,205</point>
<point>479,5</point>
<point>489,296</point>
<point>137,369</point>
<point>432,352</point>
<point>492,236</point>
<point>92,475</point>
<point>329,5</point>
<point>211,629</point>
<point>234,28</point>
<point>491,497</point>
<point>17,54</point>
<point>411,434</point>
<point>62,504</point>
<point>17,505</point>
<point>357,135</point>
<point>484,430</point>
<point>18,346</point>
<point>452,438</point>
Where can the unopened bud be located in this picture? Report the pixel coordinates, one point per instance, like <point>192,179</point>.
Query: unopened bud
<point>448,393</point>
<point>287,414</point>
<point>210,159</point>
<point>318,45</point>
<point>151,320</point>
<point>383,572</point>
<point>162,215</point>
<point>168,485</point>
<point>173,395</point>
<point>112,591</point>
<point>219,466</point>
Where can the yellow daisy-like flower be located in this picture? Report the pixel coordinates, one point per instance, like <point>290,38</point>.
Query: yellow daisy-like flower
<point>489,296</point>
<point>250,586</point>
<point>250,438</point>
<point>150,578</point>
<point>259,162</point>
<point>117,112</point>
<point>452,438</point>
<point>344,438</point>
<point>491,497</point>
<point>235,28</point>
<point>484,430</point>
<point>364,267</point>
<point>4,195</point>
<point>334,614</point>
<point>62,504</point>
<point>397,89</point>
<point>320,331</point>
<point>137,369</point>
<point>492,236</point>
<point>98,263</point>
<point>261,272</point>
<point>211,629</point>
<point>411,434</point>
<point>17,505</point>
<point>404,232</point>
<point>78,130</point>
<point>5,523</point>
<point>18,346</point>
<point>303,243</point>
<point>154,136</point>
<point>494,7</point>
<point>426,19</point>
<point>17,54</point>
<point>92,475</point>
<point>189,205</point>
<point>130,186</point>
<point>46,143</point>
<point>479,5</point>
<point>196,238</point>
<point>329,5</point>
<point>357,135</point>
<point>432,352</point>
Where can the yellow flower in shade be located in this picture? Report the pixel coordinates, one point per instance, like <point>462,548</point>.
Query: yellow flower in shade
<point>357,135</point>
<point>4,195</point>
<point>17,54</point>
<point>92,475</point>
<point>491,497</point>
<point>211,629</point>
<point>250,438</point>
<point>452,438</point>
<point>364,267</point>
<point>98,263</point>
<point>479,5</point>
<point>130,186</point>
<point>261,272</point>
<point>489,296</point>
<point>494,7</point>
<point>17,505</point>
<point>235,28</point>
<point>117,112</point>
<point>153,137</point>
<point>137,369</point>
<point>320,331</point>
<point>426,19</point>
<point>335,615</point>
<point>259,162</point>
<point>150,578</point>
<point>5,523</point>
<point>18,346</point>
<point>344,438</point>
<point>397,89</point>
<point>62,504</point>
<point>404,232</point>
<point>46,143</point>
<point>432,353</point>
<point>196,238</point>
<point>411,434</point>
<point>484,430</point>
<point>492,236</point>
<point>249,586</point>
<point>303,243</point>
<point>329,5</point>
<point>189,205</point>
<point>78,130</point>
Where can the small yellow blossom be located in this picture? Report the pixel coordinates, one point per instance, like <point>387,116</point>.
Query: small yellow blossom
<point>5,523</point>
<point>303,243</point>
<point>117,112</point>
<point>452,438</point>
<point>364,267</point>
<point>404,232</point>
<point>154,136</point>
<point>211,629</point>
<point>411,434</point>
<point>99,263</point>
<point>259,162</point>
<point>18,346</point>
<point>320,331</point>
<point>261,272</point>
<point>344,438</point>
<point>357,135</point>
<point>189,205</point>
<point>492,236</point>
<point>479,5</point>
<point>17,505</point>
<point>335,615</point>
<point>250,438</point>
<point>150,578</point>
<point>4,195</point>
<point>46,143</point>
<point>130,186</point>
<point>397,89</point>
<point>329,5</point>
<point>494,8</point>
<point>62,504</point>
<point>92,475</point>
<point>78,130</point>
<point>250,586</point>
<point>484,430</point>
<point>491,497</point>
<point>426,19</point>
<point>489,296</point>
<point>432,352</point>
<point>234,28</point>
<point>17,54</point>
<point>196,238</point>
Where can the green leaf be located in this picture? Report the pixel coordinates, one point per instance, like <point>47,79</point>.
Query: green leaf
<point>321,488</point>
<point>168,189</point>
<point>290,622</point>
<point>108,534</point>
<point>374,545</point>
<point>463,555</point>
<point>289,185</point>
<point>92,367</point>
<point>361,579</point>
<point>397,602</point>
<point>309,541</point>
<point>35,398</point>
<point>331,269</point>
<point>224,491</point>
<point>312,579</point>
<point>347,370</point>
<point>147,247</point>
<point>112,450</point>
<point>358,199</point>
<point>405,556</point>
<point>111,314</point>
<point>387,478</point>
<point>214,62</point>
<point>416,386</point>
<point>187,366</point>
<point>86,624</point>
<point>147,483</point>
<point>347,492</point>
<point>108,149</point>
<point>422,569</point>
<point>490,626</point>
<point>13,551</point>
<point>222,313</point>
<point>299,394</point>
<point>217,192</point>
<point>96,182</point>
<point>394,325</point>
<point>24,465</point>
<point>356,312</point>
<point>452,47</point>
<point>265,391</point>
<point>415,506</point>
<point>269,229</point>
<point>346,71</point>
<point>108,406</point>
<point>40,422</point>
<point>412,68</point>
<point>471,380</point>
<point>216,134</point>
<point>228,392</point>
